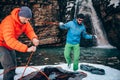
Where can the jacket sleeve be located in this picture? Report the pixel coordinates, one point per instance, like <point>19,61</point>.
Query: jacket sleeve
<point>85,35</point>
<point>10,40</point>
<point>65,26</point>
<point>30,32</point>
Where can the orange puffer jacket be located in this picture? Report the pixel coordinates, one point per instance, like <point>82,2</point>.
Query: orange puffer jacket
<point>11,28</point>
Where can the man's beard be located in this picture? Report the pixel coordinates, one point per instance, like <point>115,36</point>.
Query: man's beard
<point>80,24</point>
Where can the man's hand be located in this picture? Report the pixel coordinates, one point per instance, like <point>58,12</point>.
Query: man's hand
<point>61,23</point>
<point>94,39</point>
<point>35,41</point>
<point>94,36</point>
<point>31,49</point>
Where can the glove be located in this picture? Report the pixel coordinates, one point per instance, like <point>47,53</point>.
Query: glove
<point>61,23</point>
<point>94,40</point>
<point>94,36</point>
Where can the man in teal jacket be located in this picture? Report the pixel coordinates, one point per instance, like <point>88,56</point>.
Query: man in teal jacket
<point>75,29</point>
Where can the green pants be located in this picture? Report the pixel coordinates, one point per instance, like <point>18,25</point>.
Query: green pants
<point>76,54</point>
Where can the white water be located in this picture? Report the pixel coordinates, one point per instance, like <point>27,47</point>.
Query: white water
<point>86,7</point>
<point>76,3</point>
<point>69,7</point>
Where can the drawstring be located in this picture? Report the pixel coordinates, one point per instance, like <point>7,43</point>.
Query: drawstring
<point>27,65</point>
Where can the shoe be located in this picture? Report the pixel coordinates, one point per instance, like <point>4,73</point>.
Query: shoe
<point>69,66</point>
<point>75,69</point>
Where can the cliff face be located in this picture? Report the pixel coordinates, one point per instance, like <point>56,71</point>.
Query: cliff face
<point>110,15</point>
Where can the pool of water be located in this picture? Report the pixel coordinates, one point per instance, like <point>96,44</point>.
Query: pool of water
<point>54,55</point>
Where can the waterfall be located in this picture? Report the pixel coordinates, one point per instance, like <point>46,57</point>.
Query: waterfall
<point>69,7</point>
<point>86,7</point>
<point>76,7</point>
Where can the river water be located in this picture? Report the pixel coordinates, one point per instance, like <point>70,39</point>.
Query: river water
<point>54,55</point>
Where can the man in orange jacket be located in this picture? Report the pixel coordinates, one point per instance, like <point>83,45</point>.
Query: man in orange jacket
<point>10,29</point>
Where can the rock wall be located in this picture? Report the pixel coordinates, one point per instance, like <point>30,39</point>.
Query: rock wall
<point>45,14</point>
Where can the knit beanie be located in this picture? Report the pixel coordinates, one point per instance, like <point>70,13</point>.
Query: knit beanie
<point>25,12</point>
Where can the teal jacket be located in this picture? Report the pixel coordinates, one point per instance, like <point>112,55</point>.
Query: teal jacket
<point>75,31</point>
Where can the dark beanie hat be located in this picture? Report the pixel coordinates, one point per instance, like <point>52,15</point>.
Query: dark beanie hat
<point>25,12</point>
<point>80,16</point>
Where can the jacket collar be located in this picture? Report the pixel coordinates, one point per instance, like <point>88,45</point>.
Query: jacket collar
<point>15,16</point>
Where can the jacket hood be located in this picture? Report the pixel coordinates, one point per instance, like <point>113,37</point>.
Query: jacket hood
<point>75,21</point>
<point>15,16</point>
